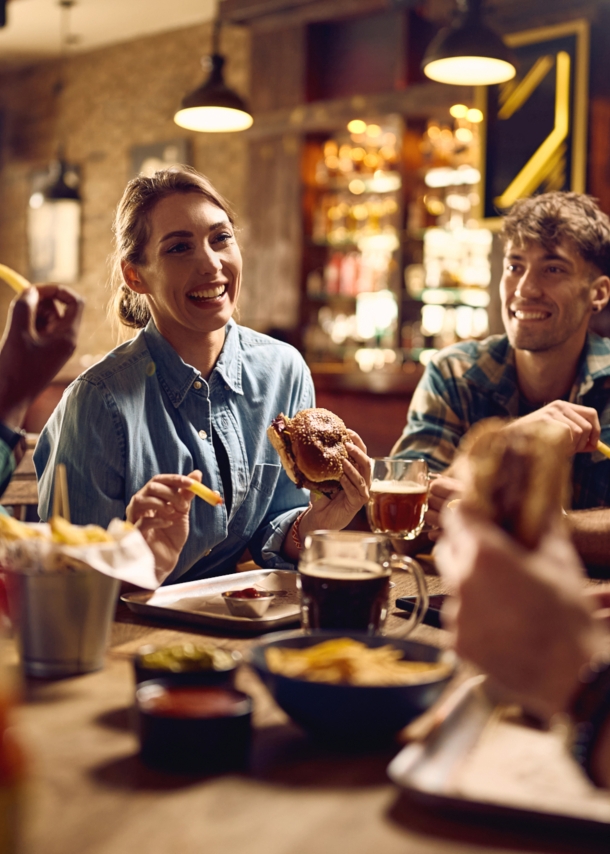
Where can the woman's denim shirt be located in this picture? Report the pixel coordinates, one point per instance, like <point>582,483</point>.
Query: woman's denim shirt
<point>142,411</point>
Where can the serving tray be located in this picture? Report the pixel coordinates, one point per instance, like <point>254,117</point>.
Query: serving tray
<point>474,762</point>
<point>200,602</point>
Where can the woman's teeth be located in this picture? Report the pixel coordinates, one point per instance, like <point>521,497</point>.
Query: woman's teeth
<point>211,293</point>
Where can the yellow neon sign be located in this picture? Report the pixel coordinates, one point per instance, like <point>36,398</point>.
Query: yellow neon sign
<point>537,167</point>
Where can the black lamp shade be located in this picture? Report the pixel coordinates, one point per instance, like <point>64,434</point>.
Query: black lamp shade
<point>62,188</point>
<point>213,107</point>
<point>490,60</point>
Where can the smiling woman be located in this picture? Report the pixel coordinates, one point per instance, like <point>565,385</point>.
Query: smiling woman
<point>190,397</point>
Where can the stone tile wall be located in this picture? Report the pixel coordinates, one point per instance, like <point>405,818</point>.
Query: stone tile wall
<point>113,99</point>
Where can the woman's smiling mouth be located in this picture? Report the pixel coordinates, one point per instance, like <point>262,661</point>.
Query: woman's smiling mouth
<point>208,293</point>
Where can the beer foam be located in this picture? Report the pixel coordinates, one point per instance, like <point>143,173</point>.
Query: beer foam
<point>398,487</point>
<point>344,569</point>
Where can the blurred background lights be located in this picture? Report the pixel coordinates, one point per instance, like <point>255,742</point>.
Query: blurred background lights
<point>376,314</point>
<point>475,116</point>
<point>458,111</point>
<point>357,187</point>
<point>356,126</point>
<point>463,134</point>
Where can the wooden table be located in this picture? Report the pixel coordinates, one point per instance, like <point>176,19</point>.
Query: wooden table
<point>89,793</point>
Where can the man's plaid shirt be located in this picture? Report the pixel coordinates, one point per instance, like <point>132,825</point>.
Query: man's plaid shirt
<point>473,380</point>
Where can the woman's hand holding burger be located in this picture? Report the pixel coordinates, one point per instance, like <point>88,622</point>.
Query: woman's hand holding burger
<point>161,512</point>
<point>319,453</point>
<point>339,510</point>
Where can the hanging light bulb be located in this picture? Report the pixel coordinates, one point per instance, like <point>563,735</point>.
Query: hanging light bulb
<point>468,53</point>
<point>54,212</point>
<point>213,107</point>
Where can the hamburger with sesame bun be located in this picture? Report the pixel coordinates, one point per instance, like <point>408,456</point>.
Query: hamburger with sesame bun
<point>312,448</point>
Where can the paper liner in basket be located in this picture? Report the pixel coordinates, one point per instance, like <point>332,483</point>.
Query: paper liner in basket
<point>125,556</point>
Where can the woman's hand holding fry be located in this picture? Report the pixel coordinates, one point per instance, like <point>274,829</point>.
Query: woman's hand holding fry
<point>161,511</point>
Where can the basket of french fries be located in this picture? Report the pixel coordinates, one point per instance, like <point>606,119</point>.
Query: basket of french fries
<point>62,583</point>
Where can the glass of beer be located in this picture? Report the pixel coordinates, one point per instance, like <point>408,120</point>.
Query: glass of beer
<point>398,497</point>
<point>344,578</point>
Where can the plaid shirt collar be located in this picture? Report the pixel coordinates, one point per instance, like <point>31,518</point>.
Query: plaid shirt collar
<point>495,369</point>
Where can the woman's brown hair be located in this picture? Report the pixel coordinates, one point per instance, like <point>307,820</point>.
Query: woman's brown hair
<point>132,230</point>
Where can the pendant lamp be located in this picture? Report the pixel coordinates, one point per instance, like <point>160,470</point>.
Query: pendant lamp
<point>213,107</point>
<point>468,53</point>
<point>54,211</point>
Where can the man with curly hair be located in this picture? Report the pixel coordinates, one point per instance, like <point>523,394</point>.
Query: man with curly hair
<point>547,366</point>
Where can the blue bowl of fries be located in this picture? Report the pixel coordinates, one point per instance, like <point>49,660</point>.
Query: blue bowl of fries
<point>350,689</point>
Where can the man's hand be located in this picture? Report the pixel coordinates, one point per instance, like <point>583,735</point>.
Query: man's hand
<point>161,511</point>
<point>581,423</point>
<point>442,490</point>
<point>522,617</point>
<point>40,338</point>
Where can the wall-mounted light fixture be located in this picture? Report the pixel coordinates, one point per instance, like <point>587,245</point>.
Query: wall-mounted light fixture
<point>214,107</point>
<point>468,53</point>
<point>54,212</point>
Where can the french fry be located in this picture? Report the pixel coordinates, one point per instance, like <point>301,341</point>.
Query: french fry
<point>12,529</point>
<point>213,498</point>
<point>345,661</point>
<point>603,449</point>
<point>17,282</point>
<point>75,535</point>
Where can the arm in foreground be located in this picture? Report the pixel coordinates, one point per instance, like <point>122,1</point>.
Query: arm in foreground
<point>39,340</point>
<point>523,617</point>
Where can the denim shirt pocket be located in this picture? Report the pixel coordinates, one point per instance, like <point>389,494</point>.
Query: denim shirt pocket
<point>257,501</point>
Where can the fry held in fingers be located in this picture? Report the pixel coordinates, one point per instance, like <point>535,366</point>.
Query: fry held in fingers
<point>213,498</point>
<point>16,281</point>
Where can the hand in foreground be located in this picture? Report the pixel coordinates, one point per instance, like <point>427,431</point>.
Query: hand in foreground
<point>40,339</point>
<point>521,616</point>
<point>442,490</point>
<point>161,511</point>
<point>337,512</point>
<point>581,423</point>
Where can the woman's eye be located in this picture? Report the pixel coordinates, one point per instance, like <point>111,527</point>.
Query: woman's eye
<point>178,247</point>
<point>223,237</point>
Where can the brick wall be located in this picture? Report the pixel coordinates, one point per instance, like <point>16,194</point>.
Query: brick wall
<point>114,98</point>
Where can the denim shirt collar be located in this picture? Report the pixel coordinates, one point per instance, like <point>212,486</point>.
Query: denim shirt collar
<point>177,377</point>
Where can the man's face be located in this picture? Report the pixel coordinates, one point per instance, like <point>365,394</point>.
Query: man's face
<point>547,296</point>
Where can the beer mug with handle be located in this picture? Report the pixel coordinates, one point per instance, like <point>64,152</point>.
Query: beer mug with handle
<point>345,581</point>
<point>398,497</point>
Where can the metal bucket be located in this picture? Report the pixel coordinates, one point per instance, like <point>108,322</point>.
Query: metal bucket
<point>61,620</point>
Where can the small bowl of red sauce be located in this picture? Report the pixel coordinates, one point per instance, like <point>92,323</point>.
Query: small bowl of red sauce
<point>193,729</point>
<point>248,602</point>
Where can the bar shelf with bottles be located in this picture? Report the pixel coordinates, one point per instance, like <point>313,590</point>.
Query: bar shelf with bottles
<point>352,263</point>
<point>446,294</point>
<point>395,264</point>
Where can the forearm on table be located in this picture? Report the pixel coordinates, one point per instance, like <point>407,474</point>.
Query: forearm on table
<point>590,531</point>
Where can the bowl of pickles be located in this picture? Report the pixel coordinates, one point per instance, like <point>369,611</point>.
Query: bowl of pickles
<point>186,664</point>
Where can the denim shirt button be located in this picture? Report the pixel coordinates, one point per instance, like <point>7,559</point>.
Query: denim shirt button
<point>197,385</point>
<point>203,434</point>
